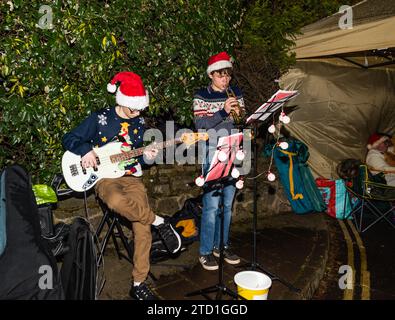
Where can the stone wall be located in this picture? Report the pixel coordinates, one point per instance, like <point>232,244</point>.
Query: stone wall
<point>169,186</point>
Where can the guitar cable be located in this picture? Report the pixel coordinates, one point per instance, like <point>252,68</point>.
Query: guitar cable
<point>86,206</point>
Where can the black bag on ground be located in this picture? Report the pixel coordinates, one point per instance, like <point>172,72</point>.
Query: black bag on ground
<point>28,269</point>
<point>79,270</point>
<point>158,251</point>
<point>59,242</point>
<point>187,220</point>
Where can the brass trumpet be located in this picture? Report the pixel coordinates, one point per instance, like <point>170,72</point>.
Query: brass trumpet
<point>237,118</point>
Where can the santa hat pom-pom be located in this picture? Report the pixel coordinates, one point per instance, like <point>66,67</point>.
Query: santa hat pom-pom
<point>111,87</point>
<point>284,145</point>
<point>240,155</point>
<point>240,184</point>
<point>199,181</point>
<point>271,177</point>
<point>272,129</point>
<point>222,156</point>
<point>235,173</point>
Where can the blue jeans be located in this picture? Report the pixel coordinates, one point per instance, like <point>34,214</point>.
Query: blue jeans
<point>210,227</point>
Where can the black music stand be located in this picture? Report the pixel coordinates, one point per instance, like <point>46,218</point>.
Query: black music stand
<point>218,175</point>
<point>263,113</point>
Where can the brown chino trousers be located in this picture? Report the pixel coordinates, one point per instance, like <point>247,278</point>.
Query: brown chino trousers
<point>128,197</point>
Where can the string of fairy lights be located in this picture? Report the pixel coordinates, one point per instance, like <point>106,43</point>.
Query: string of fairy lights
<point>273,129</point>
<point>283,119</point>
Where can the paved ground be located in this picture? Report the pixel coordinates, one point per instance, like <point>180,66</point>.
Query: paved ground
<point>290,247</point>
<point>371,255</point>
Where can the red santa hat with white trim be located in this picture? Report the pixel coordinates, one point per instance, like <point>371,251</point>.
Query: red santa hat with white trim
<point>131,92</point>
<point>375,140</point>
<point>219,61</point>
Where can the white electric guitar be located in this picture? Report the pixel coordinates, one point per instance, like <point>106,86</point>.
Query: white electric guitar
<point>108,158</point>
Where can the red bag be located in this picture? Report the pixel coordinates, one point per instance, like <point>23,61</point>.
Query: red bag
<point>335,197</point>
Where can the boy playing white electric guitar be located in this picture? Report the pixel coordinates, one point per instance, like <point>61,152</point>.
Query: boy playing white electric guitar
<point>125,195</point>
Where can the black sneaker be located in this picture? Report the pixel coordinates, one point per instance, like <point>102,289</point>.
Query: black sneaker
<point>169,236</point>
<point>142,292</point>
<point>208,262</point>
<point>229,256</point>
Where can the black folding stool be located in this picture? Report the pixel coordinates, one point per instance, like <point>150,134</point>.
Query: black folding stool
<point>112,219</point>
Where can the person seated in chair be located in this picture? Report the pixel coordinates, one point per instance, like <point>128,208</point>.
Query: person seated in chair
<point>378,145</point>
<point>125,195</point>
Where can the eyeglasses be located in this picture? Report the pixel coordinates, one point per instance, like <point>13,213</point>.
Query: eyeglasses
<point>222,75</point>
<point>226,72</point>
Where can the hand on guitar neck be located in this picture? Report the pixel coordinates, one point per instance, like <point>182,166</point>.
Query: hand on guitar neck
<point>151,152</point>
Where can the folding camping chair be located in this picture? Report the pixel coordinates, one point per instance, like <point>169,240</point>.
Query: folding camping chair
<point>375,200</point>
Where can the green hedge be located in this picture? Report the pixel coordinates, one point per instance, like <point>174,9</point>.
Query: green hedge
<point>52,78</point>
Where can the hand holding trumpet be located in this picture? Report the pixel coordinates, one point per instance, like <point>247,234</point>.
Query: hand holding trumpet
<point>231,104</point>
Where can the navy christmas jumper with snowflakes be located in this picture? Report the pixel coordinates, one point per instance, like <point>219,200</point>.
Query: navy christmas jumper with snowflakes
<point>105,126</point>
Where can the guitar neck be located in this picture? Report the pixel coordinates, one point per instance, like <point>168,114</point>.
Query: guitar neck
<point>138,152</point>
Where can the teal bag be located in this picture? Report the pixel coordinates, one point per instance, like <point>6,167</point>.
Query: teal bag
<point>296,177</point>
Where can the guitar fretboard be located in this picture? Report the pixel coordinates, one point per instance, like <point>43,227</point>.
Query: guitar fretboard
<point>138,152</point>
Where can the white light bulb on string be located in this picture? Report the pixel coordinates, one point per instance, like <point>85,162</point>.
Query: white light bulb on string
<point>235,173</point>
<point>283,145</point>
<point>272,129</point>
<point>240,155</point>
<point>286,119</point>
<point>199,181</point>
<point>240,184</point>
<point>271,176</point>
<point>222,156</point>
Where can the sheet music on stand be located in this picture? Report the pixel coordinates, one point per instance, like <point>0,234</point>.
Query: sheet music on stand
<point>229,145</point>
<point>262,114</point>
<point>276,101</point>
